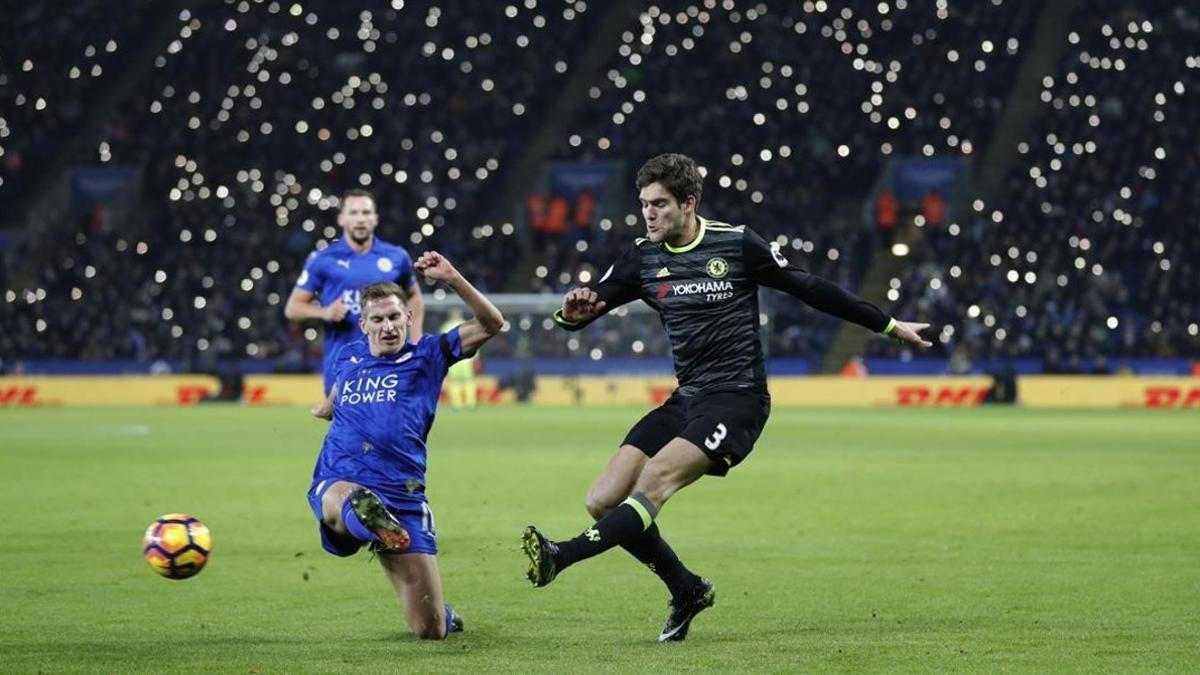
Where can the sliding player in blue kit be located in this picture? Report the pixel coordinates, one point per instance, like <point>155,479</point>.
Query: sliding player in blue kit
<point>368,487</point>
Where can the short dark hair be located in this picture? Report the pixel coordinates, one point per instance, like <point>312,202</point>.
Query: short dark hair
<point>382,290</point>
<point>358,192</point>
<point>678,173</point>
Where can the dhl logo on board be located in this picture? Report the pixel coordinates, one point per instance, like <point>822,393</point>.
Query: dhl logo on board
<point>18,396</point>
<point>1172,397</point>
<point>191,394</point>
<point>940,396</point>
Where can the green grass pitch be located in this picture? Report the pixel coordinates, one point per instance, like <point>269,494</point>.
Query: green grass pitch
<point>979,540</point>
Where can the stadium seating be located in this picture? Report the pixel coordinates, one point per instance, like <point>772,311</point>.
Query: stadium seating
<point>767,103</point>
<point>51,69</point>
<point>246,114</point>
<point>1091,254</point>
<point>256,115</point>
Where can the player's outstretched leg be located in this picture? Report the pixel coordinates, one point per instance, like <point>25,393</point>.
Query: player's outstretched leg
<point>685,607</point>
<point>611,487</point>
<point>678,464</point>
<point>547,559</point>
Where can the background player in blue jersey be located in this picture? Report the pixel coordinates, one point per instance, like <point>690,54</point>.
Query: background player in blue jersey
<point>369,483</point>
<point>333,276</point>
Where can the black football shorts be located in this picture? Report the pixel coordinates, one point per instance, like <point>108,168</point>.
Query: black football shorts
<point>723,424</point>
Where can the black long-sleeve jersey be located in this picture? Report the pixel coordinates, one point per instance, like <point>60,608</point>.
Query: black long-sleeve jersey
<point>706,294</point>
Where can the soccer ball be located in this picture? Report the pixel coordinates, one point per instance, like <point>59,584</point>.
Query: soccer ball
<point>177,546</point>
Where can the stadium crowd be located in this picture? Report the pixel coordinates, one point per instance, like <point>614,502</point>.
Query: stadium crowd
<point>792,111</point>
<point>257,115</point>
<point>1091,255</point>
<point>255,119</point>
<point>49,68</point>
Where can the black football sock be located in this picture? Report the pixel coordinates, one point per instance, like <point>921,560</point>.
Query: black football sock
<point>624,523</point>
<point>653,551</point>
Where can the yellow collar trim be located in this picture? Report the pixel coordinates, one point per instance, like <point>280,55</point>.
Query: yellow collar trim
<point>695,242</point>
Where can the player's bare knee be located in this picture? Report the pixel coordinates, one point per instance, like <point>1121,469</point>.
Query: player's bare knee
<point>593,506</point>
<point>599,503</point>
<point>331,514</point>
<point>428,625</point>
<point>431,630</point>
<point>331,505</point>
<point>426,616</point>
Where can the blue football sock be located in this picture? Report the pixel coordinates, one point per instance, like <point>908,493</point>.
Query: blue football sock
<point>354,526</point>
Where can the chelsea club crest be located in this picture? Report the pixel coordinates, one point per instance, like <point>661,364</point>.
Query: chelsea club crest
<point>717,267</point>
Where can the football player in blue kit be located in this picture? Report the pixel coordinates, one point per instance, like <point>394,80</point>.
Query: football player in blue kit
<point>368,487</point>
<point>333,276</point>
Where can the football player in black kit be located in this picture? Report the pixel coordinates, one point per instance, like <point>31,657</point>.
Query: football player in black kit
<point>702,277</point>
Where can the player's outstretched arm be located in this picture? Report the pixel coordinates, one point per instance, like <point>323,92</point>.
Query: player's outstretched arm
<point>828,297</point>
<point>768,266</point>
<point>622,283</point>
<point>488,320</point>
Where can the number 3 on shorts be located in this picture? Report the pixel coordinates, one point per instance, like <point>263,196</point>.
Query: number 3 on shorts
<point>714,441</point>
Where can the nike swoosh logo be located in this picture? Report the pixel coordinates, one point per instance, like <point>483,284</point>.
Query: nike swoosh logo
<point>667,635</point>
<point>344,263</point>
